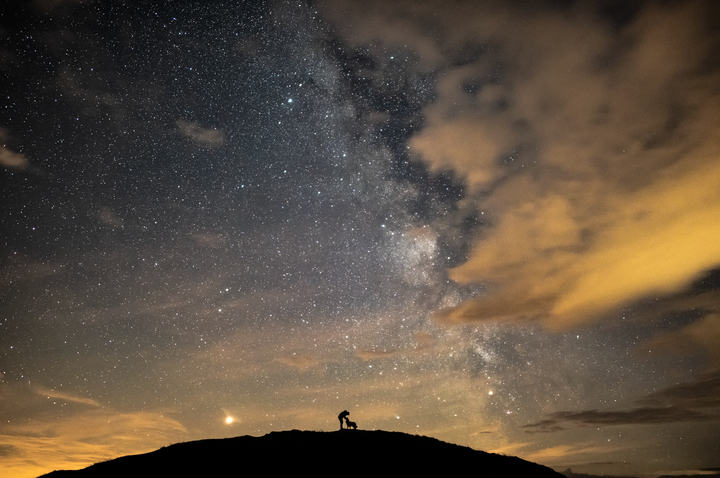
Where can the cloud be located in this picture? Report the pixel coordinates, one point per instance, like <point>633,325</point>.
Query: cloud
<point>7,450</point>
<point>38,446</point>
<point>636,416</point>
<point>23,269</point>
<point>510,449</point>
<point>46,392</point>
<point>544,258</point>
<point>423,342</point>
<point>569,473</point>
<point>108,217</point>
<point>700,335</point>
<point>590,147</point>
<point>12,160</point>
<point>386,27</point>
<point>591,151</point>
<point>687,402</point>
<point>208,239</point>
<point>9,158</point>
<point>47,5</point>
<point>701,393</point>
<point>205,137</point>
<point>565,451</point>
<point>454,144</point>
<point>300,362</point>
<point>90,91</point>
<point>375,354</point>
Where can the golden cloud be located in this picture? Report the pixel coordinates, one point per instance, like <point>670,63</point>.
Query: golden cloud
<point>550,258</point>
<point>618,200</point>
<point>72,442</point>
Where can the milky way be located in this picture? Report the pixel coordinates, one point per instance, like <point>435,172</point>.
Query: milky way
<point>494,225</point>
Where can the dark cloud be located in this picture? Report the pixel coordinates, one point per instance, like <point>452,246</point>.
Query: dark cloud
<point>688,402</point>
<point>701,393</point>
<point>571,474</point>
<point>695,475</point>
<point>637,416</point>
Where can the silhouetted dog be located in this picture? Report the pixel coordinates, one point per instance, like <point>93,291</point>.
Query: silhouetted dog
<point>350,424</point>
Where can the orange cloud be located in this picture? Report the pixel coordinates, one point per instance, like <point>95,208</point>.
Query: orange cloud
<point>592,152</point>
<point>653,241</point>
<point>458,143</point>
<point>41,445</point>
<point>618,199</point>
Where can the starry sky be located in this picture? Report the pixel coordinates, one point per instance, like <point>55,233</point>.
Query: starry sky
<point>496,223</point>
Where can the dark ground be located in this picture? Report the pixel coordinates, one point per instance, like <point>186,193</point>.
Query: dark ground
<point>345,452</point>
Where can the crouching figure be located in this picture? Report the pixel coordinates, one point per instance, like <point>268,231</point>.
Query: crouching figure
<point>350,424</point>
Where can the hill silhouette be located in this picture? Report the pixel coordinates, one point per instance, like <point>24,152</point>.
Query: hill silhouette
<point>342,453</point>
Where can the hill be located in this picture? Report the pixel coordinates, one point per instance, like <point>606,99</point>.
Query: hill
<point>345,452</point>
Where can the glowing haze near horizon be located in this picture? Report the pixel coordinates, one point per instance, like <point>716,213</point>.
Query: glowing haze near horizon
<point>493,223</point>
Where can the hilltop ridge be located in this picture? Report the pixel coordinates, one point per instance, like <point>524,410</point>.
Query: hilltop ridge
<point>343,452</point>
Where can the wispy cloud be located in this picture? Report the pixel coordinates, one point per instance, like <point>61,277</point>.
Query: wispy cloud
<point>564,451</point>
<point>71,442</point>
<point>9,158</point>
<point>12,160</point>
<point>108,217</point>
<point>209,239</point>
<point>702,335</point>
<point>701,393</point>
<point>636,416</point>
<point>695,401</point>
<point>301,362</point>
<point>375,354</point>
<point>46,392</point>
<point>206,137</point>
<point>48,5</point>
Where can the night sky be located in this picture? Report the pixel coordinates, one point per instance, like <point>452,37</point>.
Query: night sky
<point>494,223</point>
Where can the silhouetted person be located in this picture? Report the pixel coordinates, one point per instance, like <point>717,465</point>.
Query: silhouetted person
<point>350,424</point>
<point>343,415</point>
